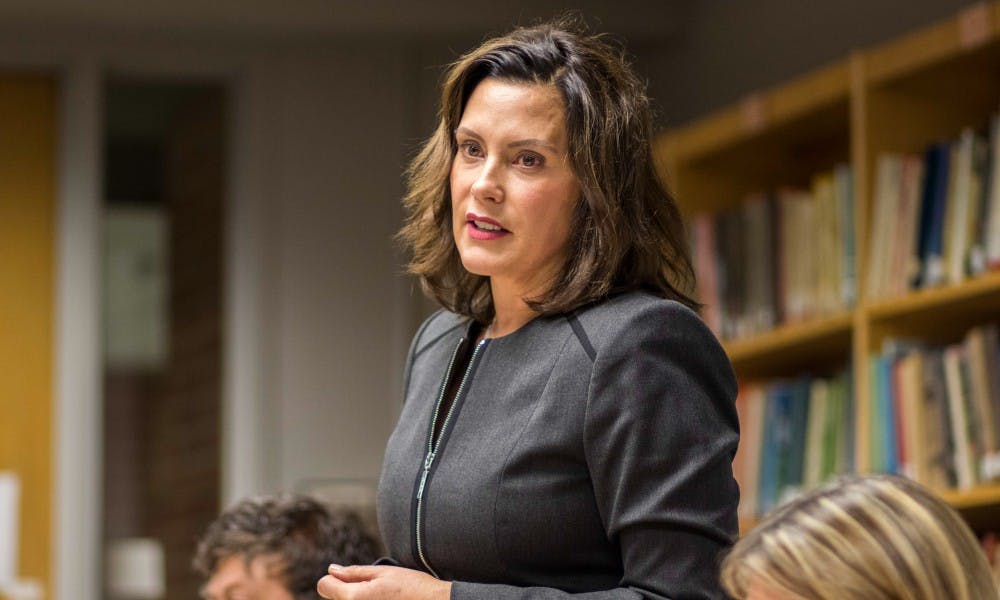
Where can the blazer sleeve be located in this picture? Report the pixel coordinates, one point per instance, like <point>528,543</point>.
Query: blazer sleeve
<point>660,435</point>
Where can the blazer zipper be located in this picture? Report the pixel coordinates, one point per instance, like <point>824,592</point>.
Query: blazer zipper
<point>433,445</point>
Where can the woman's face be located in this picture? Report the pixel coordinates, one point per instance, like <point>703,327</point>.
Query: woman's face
<point>513,190</point>
<point>758,590</point>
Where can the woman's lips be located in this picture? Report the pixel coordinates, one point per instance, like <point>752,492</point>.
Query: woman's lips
<point>484,228</point>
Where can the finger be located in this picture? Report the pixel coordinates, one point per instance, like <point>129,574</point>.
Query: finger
<point>332,588</point>
<point>355,574</point>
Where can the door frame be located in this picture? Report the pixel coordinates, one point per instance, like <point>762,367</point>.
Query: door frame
<point>81,68</point>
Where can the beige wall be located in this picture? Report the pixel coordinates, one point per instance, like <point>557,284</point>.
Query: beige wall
<point>338,304</point>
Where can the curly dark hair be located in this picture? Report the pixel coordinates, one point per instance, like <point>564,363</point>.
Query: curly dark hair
<point>627,229</point>
<point>301,533</point>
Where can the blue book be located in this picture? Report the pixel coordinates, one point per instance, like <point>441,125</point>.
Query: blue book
<point>875,459</point>
<point>888,414</point>
<point>775,431</point>
<point>932,209</point>
<point>798,417</point>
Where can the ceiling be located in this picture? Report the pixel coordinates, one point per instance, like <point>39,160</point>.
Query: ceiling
<point>637,20</point>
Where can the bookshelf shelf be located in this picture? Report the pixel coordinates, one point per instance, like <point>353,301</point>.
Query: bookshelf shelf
<point>975,498</point>
<point>783,145</point>
<point>800,345</point>
<point>983,290</point>
<point>936,314</point>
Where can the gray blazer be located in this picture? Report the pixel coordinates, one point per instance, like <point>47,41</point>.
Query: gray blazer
<point>589,452</point>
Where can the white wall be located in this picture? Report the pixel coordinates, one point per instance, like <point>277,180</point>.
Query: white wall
<point>338,301</point>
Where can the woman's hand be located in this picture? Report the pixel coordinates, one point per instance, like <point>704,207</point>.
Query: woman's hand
<point>376,583</point>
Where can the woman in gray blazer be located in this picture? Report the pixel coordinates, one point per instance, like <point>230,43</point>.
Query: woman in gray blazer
<point>569,423</point>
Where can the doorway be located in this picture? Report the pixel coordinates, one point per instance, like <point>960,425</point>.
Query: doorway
<point>164,188</point>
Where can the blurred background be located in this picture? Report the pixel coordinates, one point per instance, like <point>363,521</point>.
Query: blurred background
<point>200,298</point>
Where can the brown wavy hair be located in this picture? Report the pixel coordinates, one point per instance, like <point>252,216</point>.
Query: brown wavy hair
<point>299,537</point>
<point>627,229</point>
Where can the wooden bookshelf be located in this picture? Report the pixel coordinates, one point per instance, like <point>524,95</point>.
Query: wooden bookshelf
<point>937,315</point>
<point>899,96</point>
<point>795,346</point>
<point>740,149</point>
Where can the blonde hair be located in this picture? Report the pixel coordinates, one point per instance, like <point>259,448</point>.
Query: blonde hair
<point>862,538</point>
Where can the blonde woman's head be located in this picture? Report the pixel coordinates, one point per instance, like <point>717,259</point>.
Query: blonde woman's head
<point>877,537</point>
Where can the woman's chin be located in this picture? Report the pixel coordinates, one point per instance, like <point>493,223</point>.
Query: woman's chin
<point>478,266</point>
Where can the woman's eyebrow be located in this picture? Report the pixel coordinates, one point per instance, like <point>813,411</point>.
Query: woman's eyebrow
<point>534,142</point>
<point>515,144</point>
<point>468,132</point>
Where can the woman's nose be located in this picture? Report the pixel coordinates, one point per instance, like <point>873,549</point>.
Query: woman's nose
<point>487,185</point>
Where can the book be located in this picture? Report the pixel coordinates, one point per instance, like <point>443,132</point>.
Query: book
<point>843,180</point>
<point>818,414</point>
<point>961,424</point>
<point>911,416</point>
<point>760,267</point>
<point>932,214</point>
<point>982,160</point>
<point>703,232</point>
<point>776,433</point>
<point>905,261</point>
<point>791,477</point>
<point>826,241</point>
<point>751,404</point>
<point>887,415</point>
<point>938,438</point>
<point>979,391</point>
<point>888,177</point>
<point>991,217</point>
<point>957,211</point>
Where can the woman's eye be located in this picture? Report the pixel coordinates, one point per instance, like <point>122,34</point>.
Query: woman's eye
<point>471,149</point>
<point>530,159</point>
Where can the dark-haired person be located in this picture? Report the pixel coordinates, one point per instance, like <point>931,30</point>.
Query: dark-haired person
<point>276,549</point>
<point>569,423</point>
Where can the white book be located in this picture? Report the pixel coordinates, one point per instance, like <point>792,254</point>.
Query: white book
<point>883,227</point>
<point>992,237</point>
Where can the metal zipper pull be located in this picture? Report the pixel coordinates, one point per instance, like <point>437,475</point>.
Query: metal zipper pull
<point>423,478</point>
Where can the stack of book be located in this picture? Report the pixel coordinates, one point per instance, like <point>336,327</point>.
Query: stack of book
<point>782,257</point>
<point>936,217</point>
<point>935,411</point>
<point>795,434</point>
